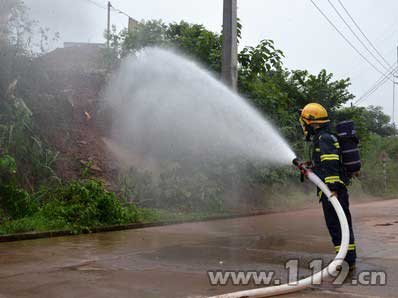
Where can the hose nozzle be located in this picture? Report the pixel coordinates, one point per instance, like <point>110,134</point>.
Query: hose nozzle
<point>304,168</point>
<point>297,162</point>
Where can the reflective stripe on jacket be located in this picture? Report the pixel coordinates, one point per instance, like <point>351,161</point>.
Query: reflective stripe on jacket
<point>326,159</point>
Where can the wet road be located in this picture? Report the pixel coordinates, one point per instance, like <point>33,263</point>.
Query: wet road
<point>172,261</point>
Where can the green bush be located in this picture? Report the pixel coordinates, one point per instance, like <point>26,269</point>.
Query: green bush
<point>379,177</point>
<point>76,206</point>
<point>19,137</point>
<point>8,166</point>
<point>33,223</point>
<point>176,188</point>
<point>14,201</point>
<point>204,187</point>
<point>84,204</point>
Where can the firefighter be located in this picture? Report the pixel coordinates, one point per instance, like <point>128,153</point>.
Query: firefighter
<point>326,163</point>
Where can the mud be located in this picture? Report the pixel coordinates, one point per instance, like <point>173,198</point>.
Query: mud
<point>172,261</point>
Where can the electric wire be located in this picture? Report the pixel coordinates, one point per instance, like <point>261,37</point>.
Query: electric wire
<point>96,4</point>
<point>382,78</point>
<point>120,11</point>
<point>375,49</point>
<point>345,38</point>
<point>380,82</point>
<point>363,34</point>
<point>360,69</point>
<point>358,38</point>
<point>105,7</point>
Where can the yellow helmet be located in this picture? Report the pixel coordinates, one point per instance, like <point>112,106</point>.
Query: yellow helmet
<point>314,113</point>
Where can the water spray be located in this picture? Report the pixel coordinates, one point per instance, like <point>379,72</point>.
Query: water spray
<point>330,270</point>
<point>167,107</point>
<point>149,96</point>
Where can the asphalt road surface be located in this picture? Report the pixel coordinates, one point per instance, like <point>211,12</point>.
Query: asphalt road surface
<point>173,261</point>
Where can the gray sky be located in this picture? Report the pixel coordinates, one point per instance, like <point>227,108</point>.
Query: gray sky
<point>297,28</point>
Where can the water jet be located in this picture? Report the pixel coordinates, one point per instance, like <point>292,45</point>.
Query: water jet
<point>168,106</point>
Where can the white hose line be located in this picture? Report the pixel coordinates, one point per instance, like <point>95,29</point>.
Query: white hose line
<point>317,277</point>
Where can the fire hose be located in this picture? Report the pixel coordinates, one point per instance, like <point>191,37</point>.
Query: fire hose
<point>330,270</point>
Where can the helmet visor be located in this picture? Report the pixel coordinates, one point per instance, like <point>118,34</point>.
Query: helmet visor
<point>303,126</point>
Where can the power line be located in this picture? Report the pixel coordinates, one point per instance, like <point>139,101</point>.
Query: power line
<point>357,37</point>
<point>345,38</point>
<point>96,4</point>
<point>360,69</point>
<point>371,91</point>
<point>120,11</point>
<point>380,82</point>
<point>363,34</point>
<point>105,7</point>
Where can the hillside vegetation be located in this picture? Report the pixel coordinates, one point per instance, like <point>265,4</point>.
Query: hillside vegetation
<point>55,172</point>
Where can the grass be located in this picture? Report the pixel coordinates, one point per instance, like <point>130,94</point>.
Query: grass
<point>78,206</point>
<point>34,223</point>
<point>159,215</point>
<point>39,223</point>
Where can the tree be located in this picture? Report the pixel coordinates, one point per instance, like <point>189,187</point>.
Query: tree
<point>319,88</point>
<point>368,120</point>
<point>198,42</point>
<point>280,93</point>
<point>191,39</point>
<point>20,28</point>
<point>277,92</point>
<point>260,73</point>
<point>378,122</point>
<point>260,60</point>
<point>6,7</point>
<point>144,34</point>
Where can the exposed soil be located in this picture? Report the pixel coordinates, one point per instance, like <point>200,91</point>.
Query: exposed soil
<point>76,82</point>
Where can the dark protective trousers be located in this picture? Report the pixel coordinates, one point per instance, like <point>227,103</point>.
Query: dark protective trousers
<point>333,224</point>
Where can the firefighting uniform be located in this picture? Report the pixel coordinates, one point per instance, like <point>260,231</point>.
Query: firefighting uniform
<point>326,164</point>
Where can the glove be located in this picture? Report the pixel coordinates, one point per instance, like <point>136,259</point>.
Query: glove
<point>307,164</point>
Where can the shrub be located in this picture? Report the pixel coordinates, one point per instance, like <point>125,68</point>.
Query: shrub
<point>84,204</point>
<point>32,223</point>
<point>14,201</point>
<point>76,206</point>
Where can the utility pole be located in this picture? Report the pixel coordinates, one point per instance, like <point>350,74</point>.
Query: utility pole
<point>393,100</point>
<point>393,95</point>
<point>108,30</point>
<point>230,44</point>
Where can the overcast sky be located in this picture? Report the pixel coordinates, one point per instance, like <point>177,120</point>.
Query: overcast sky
<point>297,28</point>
